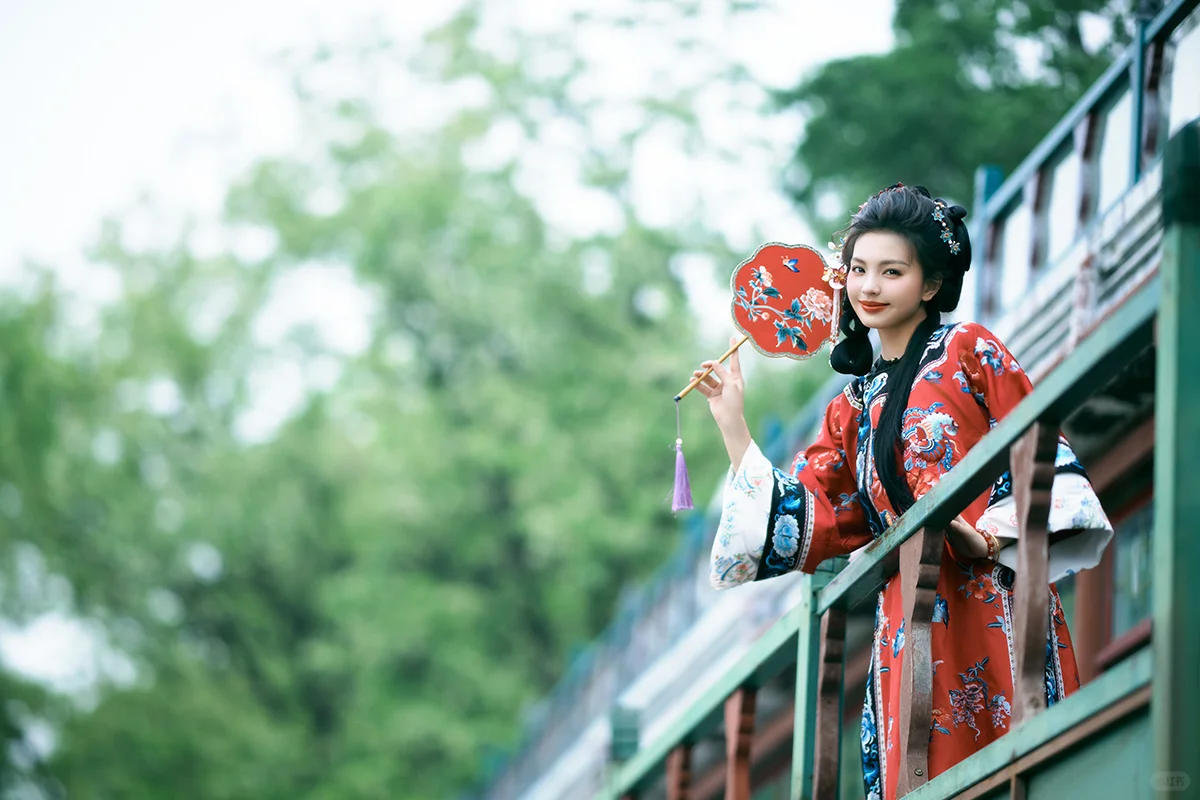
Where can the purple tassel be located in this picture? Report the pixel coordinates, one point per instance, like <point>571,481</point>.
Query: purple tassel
<point>682,498</point>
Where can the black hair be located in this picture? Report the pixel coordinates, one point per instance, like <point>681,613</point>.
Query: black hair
<point>910,212</point>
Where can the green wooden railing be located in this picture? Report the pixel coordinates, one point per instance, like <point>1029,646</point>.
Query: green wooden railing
<point>1163,318</point>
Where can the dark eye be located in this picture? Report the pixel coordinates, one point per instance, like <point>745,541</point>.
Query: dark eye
<point>857,268</point>
<point>892,271</point>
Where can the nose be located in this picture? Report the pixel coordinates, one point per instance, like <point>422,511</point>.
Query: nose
<point>870,285</point>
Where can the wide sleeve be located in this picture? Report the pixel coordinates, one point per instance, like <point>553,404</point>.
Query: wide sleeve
<point>774,522</point>
<point>991,373</point>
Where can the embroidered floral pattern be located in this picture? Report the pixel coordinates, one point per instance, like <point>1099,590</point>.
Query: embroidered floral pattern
<point>794,322</point>
<point>786,540</point>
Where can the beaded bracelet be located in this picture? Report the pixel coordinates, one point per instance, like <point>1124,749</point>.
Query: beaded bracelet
<point>993,546</point>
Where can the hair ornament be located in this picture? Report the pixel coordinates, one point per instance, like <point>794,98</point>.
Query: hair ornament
<point>940,214</point>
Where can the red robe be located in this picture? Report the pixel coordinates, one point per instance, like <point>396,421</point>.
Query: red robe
<point>831,503</point>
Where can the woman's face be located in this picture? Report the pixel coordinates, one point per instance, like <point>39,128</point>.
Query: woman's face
<point>886,285</point>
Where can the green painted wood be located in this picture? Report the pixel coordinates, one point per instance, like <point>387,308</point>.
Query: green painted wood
<point>774,652</point>
<point>1117,762</point>
<point>804,734</point>
<point>1113,80</point>
<point>1176,694</point>
<point>1097,360</point>
<point>1119,682</point>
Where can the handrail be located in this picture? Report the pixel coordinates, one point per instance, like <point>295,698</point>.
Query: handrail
<point>774,652</point>
<point>1166,20</point>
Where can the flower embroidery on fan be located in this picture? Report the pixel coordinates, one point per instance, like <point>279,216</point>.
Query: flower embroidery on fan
<point>817,305</point>
<point>795,321</point>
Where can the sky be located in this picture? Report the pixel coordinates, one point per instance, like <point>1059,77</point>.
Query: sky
<point>146,111</point>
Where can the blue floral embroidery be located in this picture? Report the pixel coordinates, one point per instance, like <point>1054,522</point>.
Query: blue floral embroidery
<point>898,642</point>
<point>789,524</point>
<point>990,354</point>
<point>869,741</point>
<point>787,536</point>
<point>941,611</point>
<point>845,503</point>
<point>1001,489</point>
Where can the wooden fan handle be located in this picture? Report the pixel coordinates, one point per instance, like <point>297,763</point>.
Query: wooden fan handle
<point>696,381</point>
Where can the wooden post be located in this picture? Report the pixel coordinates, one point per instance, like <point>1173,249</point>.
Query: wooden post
<point>1175,704</point>
<point>827,755</point>
<point>739,735</point>
<point>679,773</point>
<point>1032,464</point>
<point>920,563</point>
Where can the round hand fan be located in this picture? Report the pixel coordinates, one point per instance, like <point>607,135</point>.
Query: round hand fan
<point>786,302</point>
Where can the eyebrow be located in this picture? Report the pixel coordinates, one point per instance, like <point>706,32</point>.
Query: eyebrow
<point>881,263</point>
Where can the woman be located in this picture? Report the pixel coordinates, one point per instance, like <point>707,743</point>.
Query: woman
<point>932,395</point>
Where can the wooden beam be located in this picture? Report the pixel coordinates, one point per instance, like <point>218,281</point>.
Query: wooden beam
<point>920,564</point>
<point>1033,476</point>
<point>1175,709</point>
<point>1091,629</point>
<point>827,757</point>
<point>739,736</point>
<point>1134,448</point>
<point>679,773</point>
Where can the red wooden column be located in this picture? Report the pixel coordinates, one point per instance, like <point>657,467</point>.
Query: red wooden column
<point>679,773</point>
<point>739,733</point>
<point>920,563</point>
<point>828,744</point>
<point>1032,462</point>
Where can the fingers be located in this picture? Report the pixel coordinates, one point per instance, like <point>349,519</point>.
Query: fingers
<point>735,363</point>
<point>709,386</point>
<point>719,370</point>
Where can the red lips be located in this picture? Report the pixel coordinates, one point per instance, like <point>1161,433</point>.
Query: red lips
<point>873,307</point>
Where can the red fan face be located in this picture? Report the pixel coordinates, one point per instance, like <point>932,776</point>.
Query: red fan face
<point>781,300</point>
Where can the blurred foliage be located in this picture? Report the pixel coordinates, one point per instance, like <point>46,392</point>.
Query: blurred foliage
<point>360,603</point>
<point>969,82</point>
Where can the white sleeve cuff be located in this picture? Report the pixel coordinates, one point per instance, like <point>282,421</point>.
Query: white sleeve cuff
<point>745,507</point>
<point>1074,506</point>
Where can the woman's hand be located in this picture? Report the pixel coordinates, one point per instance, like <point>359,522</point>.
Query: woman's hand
<point>725,391</point>
<point>965,540</point>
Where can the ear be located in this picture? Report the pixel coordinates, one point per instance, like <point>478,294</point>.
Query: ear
<point>932,287</point>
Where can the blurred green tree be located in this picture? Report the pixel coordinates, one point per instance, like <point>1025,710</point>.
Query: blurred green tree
<point>969,82</point>
<point>358,603</point>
